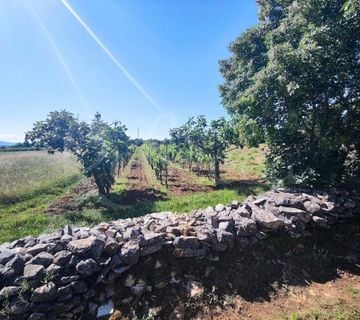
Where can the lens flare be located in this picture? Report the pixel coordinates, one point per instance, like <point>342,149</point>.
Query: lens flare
<point>111,56</point>
<point>57,53</point>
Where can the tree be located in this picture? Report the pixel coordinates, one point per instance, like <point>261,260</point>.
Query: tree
<point>95,145</point>
<point>297,76</point>
<point>212,139</point>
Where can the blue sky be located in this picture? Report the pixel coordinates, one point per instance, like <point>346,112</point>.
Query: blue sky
<point>170,49</point>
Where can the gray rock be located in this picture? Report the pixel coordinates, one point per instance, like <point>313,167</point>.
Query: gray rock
<point>7,273</point>
<point>224,237</point>
<point>61,258</point>
<point>37,316</point>
<point>312,207</point>
<point>90,245</point>
<point>227,226</point>
<point>320,222</point>
<point>8,292</point>
<point>68,279</point>
<point>243,211</point>
<point>219,207</point>
<point>17,263</point>
<point>33,271</point>
<point>43,258</point>
<point>162,215</point>
<point>130,252</point>
<point>132,233</point>
<point>5,256</point>
<point>266,219</point>
<point>78,287</point>
<point>19,306</point>
<point>302,215</point>
<point>190,253</point>
<point>64,293</point>
<point>235,204</point>
<point>87,267</point>
<point>111,246</point>
<point>187,242</point>
<point>41,247</point>
<point>209,212</point>
<point>150,249</point>
<point>153,238</point>
<point>245,227</point>
<point>44,293</point>
<point>67,230</point>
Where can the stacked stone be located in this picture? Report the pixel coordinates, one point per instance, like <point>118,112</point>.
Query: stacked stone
<point>70,274</point>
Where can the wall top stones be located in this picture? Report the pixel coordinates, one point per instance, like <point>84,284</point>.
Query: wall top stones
<point>69,274</point>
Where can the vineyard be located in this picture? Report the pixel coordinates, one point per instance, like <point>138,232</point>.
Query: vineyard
<point>158,170</point>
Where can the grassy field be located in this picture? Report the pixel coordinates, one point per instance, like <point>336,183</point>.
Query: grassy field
<point>25,175</point>
<point>31,181</point>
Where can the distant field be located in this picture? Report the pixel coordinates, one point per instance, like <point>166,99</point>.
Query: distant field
<point>29,182</point>
<point>24,175</point>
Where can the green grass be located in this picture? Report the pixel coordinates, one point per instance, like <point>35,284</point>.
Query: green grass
<point>29,182</point>
<point>244,164</point>
<point>26,175</point>
<point>346,308</point>
<point>338,313</point>
<point>26,217</point>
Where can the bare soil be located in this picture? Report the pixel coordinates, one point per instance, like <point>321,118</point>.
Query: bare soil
<point>180,182</point>
<point>68,201</point>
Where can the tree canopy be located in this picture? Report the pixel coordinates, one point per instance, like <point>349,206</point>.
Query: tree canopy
<point>211,139</point>
<point>96,145</point>
<point>296,75</point>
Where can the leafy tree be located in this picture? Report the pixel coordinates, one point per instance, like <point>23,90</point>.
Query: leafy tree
<point>296,75</point>
<point>95,145</point>
<point>211,139</point>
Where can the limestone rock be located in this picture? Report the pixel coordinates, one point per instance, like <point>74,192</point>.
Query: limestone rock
<point>33,271</point>
<point>42,258</point>
<point>245,227</point>
<point>90,245</point>
<point>187,242</point>
<point>44,293</point>
<point>5,256</point>
<point>130,252</point>
<point>87,267</point>
<point>266,219</point>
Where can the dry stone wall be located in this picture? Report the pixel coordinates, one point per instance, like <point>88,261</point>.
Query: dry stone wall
<point>74,273</point>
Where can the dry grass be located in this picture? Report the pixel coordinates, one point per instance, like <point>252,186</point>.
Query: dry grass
<point>26,174</point>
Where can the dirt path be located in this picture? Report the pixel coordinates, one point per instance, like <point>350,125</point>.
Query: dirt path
<point>180,182</point>
<point>136,176</point>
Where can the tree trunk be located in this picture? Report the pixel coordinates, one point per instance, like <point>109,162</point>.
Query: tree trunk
<point>217,172</point>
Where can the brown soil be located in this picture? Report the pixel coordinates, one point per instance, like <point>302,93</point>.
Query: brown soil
<point>138,186</point>
<point>180,182</point>
<point>328,297</point>
<point>67,202</point>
